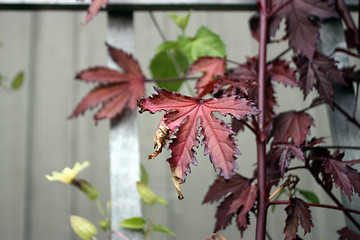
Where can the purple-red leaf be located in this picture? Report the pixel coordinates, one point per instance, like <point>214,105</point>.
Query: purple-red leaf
<point>94,8</point>
<point>297,211</point>
<point>292,126</point>
<point>301,21</point>
<point>344,176</point>
<point>189,115</point>
<point>243,204</point>
<point>320,72</point>
<point>280,71</point>
<point>116,90</point>
<point>283,153</point>
<point>347,234</point>
<point>211,66</point>
<point>221,188</point>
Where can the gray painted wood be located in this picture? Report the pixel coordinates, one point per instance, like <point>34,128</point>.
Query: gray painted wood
<point>124,142</point>
<point>343,132</point>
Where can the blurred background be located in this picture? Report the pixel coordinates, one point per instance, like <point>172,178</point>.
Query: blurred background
<point>36,137</point>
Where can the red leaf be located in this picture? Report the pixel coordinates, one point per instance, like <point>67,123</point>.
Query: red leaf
<point>243,204</point>
<point>185,113</point>
<point>319,154</point>
<point>223,219</point>
<point>280,71</point>
<point>293,125</point>
<point>321,72</point>
<point>302,26</point>
<point>94,8</point>
<point>236,84</point>
<point>343,175</point>
<point>221,188</point>
<point>116,90</point>
<point>297,211</point>
<point>283,153</point>
<point>347,234</point>
<point>211,66</point>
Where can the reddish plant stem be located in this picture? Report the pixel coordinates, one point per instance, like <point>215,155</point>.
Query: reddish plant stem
<point>336,201</point>
<point>348,52</point>
<point>261,145</point>
<point>170,79</point>
<point>281,202</point>
<point>349,118</point>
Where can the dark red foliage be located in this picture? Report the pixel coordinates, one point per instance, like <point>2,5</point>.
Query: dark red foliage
<point>116,90</point>
<point>94,8</point>
<point>292,127</point>
<point>318,154</point>
<point>297,212</point>
<point>280,71</point>
<point>302,22</point>
<point>183,113</point>
<point>284,152</point>
<point>320,72</point>
<point>211,66</point>
<point>347,234</point>
<point>221,188</point>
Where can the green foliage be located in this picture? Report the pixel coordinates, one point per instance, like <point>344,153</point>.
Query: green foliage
<point>205,43</point>
<point>180,20</point>
<point>144,177</point>
<point>17,80</point>
<point>82,227</point>
<point>163,229</point>
<point>89,190</point>
<point>105,225</point>
<point>308,195</point>
<point>146,194</point>
<point>136,223</point>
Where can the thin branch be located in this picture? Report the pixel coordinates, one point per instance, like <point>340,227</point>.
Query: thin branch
<point>233,61</point>
<point>157,26</point>
<point>311,106</point>
<point>349,118</point>
<point>356,100</point>
<point>282,202</point>
<point>295,168</point>
<point>279,56</point>
<point>345,51</point>
<point>336,147</point>
<point>250,127</point>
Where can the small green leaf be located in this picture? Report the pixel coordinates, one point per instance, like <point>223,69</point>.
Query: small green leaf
<point>166,46</point>
<point>105,224</point>
<point>108,206</point>
<point>133,223</point>
<point>82,227</point>
<point>90,191</point>
<point>143,174</point>
<point>180,20</point>
<point>161,201</point>
<point>310,196</point>
<point>205,43</point>
<point>18,80</point>
<point>163,229</point>
<point>166,65</point>
<point>146,194</point>
<point>276,198</point>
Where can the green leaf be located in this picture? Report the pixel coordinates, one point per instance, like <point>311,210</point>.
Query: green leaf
<point>161,201</point>
<point>105,224</point>
<point>90,191</point>
<point>82,227</point>
<point>146,194</point>
<point>143,174</point>
<point>163,229</point>
<point>180,20</point>
<point>18,80</point>
<point>162,66</point>
<point>310,196</point>
<point>205,43</point>
<point>133,223</point>
<point>276,198</point>
<point>166,46</point>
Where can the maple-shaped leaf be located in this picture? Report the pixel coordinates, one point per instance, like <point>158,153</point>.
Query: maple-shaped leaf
<point>221,188</point>
<point>348,234</point>
<point>236,85</point>
<point>284,152</point>
<point>117,90</point>
<point>320,72</point>
<point>242,205</point>
<point>211,66</point>
<point>318,154</point>
<point>344,176</point>
<point>280,71</point>
<point>297,211</point>
<point>94,8</point>
<point>301,25</point>
<point>188,114</point>
<point>292,127</point>
<point>223,219</point>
